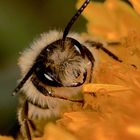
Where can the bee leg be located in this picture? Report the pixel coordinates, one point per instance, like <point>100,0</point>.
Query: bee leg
<point>37,133</point>
<point>99,45</point>
<point>25,121</point>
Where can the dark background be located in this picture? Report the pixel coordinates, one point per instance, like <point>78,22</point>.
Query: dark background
<point>20,22</point>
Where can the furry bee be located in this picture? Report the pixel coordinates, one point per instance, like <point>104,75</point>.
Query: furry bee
<point>53,71</point>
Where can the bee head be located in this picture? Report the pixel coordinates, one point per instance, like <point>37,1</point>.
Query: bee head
<point>62,62</point>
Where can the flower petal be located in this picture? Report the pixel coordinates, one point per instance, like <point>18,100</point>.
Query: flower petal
<point>136,5</point>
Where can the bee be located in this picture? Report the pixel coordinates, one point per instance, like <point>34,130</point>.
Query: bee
<point>53,70</point>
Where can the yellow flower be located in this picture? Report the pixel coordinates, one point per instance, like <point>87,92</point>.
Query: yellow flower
<point>110,20</point>
<point>53,132</point>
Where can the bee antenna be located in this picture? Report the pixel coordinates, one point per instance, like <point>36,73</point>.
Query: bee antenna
<point>23,81</point>
<point>74,18</point>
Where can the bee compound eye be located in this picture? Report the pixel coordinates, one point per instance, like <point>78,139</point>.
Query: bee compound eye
<point>77,47</point>
<point>47,77</point>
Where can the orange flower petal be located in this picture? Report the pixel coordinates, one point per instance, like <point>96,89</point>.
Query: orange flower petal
<point>110,20</point>
<point>136,5</point>
<point>6,138</point>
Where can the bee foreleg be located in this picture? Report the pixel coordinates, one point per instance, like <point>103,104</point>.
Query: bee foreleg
<point>25,122</point>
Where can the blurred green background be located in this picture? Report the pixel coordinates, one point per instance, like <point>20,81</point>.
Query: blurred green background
<point>20,22</point>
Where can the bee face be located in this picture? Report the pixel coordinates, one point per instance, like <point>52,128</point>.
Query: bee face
<point>62,64</point>
<point>60,68</point>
